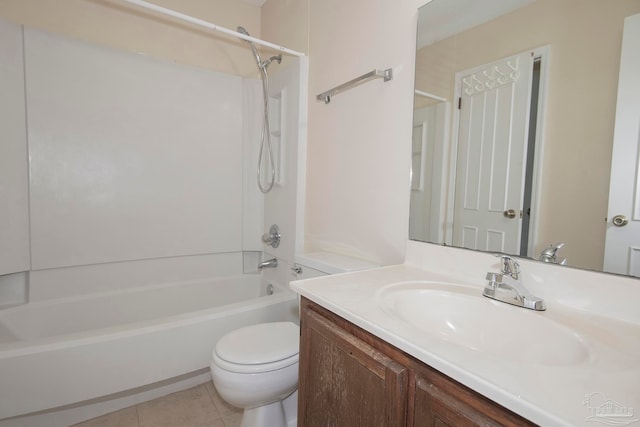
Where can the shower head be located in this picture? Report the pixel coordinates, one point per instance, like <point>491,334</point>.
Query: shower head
<point>261,64</point>
<point>256,55</point>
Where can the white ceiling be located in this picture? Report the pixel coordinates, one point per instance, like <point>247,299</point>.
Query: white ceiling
<point>440,19</point>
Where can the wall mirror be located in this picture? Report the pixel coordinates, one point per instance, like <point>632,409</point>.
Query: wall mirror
<point>514,118</point>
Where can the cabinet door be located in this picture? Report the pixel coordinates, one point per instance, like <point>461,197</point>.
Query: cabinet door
<point>344,382</point>
<point>441,402</point>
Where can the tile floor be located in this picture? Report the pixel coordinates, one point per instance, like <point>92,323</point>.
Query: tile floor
<point>200,406</point>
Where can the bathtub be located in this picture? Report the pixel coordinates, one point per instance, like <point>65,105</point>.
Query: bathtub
<point>64,351</point>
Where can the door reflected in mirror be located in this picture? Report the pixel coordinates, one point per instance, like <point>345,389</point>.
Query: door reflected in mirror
<point>514,120</point>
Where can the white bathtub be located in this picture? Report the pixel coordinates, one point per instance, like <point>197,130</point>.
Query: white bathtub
<point>64,351</point>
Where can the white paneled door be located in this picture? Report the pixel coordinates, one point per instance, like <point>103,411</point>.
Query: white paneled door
<point>491,150</point>
<point>622,247</point>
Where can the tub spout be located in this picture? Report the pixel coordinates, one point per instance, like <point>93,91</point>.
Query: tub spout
<point>270,263</point>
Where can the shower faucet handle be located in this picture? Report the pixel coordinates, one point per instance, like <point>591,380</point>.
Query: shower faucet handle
<point>272,238</point>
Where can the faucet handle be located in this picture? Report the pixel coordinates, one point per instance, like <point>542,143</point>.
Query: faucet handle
<point>509,266</point>
<point>272,238</point>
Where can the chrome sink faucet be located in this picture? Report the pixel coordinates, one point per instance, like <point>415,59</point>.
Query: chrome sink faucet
<point>506,286</point>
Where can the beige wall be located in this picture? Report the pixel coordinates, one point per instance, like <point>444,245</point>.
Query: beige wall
<point>359,145</point>
<point>112,23</point>
<point>286,22</point>
<point>358,152</point>
<point>585,38</point>
<point>358,162</point>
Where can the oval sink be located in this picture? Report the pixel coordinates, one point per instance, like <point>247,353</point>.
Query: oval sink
<point>461,315</point>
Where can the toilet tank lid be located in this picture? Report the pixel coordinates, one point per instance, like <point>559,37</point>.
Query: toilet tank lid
<point>259,344</point>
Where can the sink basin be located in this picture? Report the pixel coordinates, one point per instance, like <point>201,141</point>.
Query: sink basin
<point>462,316</point>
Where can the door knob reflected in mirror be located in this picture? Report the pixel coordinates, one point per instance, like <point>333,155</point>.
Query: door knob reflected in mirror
<point>619,220</point>
<point>509,213</point>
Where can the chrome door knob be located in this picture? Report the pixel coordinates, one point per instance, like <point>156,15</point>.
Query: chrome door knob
<point>509,213</point>
<point>619,220</point>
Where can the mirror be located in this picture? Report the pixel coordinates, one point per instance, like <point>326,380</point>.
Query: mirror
<point>536,82</point>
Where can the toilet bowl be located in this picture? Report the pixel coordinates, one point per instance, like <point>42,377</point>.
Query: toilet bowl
<point>256,368</point>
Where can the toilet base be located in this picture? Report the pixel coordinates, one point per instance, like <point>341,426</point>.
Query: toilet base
<point>271,415</point>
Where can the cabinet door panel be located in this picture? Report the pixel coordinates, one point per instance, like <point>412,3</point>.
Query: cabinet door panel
<point>441,402</point>
<point>344,382</point>
<point>314,382</point>
<point>434,408</point>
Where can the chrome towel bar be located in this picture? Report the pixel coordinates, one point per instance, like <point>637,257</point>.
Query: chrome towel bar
<point>375,74</point>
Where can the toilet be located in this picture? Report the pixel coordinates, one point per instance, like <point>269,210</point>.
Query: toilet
<point>256,368</point>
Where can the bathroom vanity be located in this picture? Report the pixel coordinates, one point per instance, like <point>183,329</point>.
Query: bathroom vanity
<point>349,377</point>
<point>418,344</point>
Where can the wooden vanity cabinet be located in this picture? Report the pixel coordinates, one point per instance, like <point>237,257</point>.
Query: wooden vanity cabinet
<point>350,378</point>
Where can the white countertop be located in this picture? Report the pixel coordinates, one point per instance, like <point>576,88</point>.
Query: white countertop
<point>549,394</point>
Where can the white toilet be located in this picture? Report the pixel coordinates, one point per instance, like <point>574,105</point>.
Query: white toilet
<point>256,368</point>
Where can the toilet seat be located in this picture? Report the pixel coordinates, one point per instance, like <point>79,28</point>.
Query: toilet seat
<point>258,348</point>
